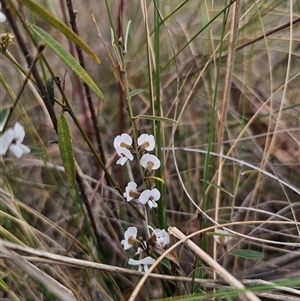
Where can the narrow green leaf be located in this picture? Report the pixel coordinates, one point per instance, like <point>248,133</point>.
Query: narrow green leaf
<point>219,187</point>
<point>249,254</point>
<point>136,92</point>
<point>65,56</point>
<point>35,151</point>
<point>59,25</point>
<point>155,178</point>
<point>66,148</point>
<point>156,118</point>
<point>4,113</point>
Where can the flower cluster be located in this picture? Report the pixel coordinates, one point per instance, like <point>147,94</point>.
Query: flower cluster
<point>12,140</point>
<point>158,237</point>
<point>148,196</point>
<point>145,142</point>
<point>123,146</point>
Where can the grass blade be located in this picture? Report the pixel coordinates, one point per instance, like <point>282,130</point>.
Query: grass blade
<point>66,148</point>
<point>60,26</point>
<point>67,58</point>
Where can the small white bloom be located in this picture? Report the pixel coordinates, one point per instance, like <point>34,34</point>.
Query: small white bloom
<point>131,191</point>
<point>150,197</point>
<point>146,142</point>
<point>142,263</point>
<point>162,236</point>
<point>130,238</point>
<point>12,139</point>
<point>5,141</point>
<point>222,239</point>
<point>2,16</point>
<point>150,162</point>
<point>122,144</point>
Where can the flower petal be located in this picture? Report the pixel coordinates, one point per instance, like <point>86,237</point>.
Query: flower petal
<point>5,141</point>
<point>124,138</point>
<point>19,132</point>
<point>131,187</point>
<point>16,150</point>
<point>124,152</point>
<point>147,159</point>
<point>222,239</point>
<point>146,141</point>
<point>152,204</point>
<point>122,160</point>
<point>155,194</point>
<point>25,149</point>
<point>147,260</point>
<point>131,232</point>
<point>2,17</point>
<point>144,196</point>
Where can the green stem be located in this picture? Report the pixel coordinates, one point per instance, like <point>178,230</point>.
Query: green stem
<point>157,126</point>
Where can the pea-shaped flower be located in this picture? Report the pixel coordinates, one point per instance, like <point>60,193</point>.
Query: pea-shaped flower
<point>130,238</point>
<point>150,197</point>
<point>131,191</point>
<point>12,140</point>
<point>222,237</point>
<point>150,162</point>
<point>146,142</point>
<point>122,144</point>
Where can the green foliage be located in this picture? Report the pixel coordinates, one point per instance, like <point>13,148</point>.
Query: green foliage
<point>248,254</point>
<point>59,25</point>
<point>67,58</point>
<point>66,148</point>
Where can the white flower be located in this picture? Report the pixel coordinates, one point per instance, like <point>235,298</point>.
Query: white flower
<point>12,139</point>
<point>142,263</point>
<point>2,16</point>
<point>146,142</point>
<point>130,238</point>
<point>162,236</point>
<point>131,191</point>
<point>221,237</point>
<point>150,197</point>
<point>122,144</point>
<point>150,162</point>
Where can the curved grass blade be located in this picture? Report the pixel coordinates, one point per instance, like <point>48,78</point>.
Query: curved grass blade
<point>156,118</point>
<point>249,254</point>
<point>65,56</point>
<point>60,26</point>
<point>136,92</point>
<point>66,148</point>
